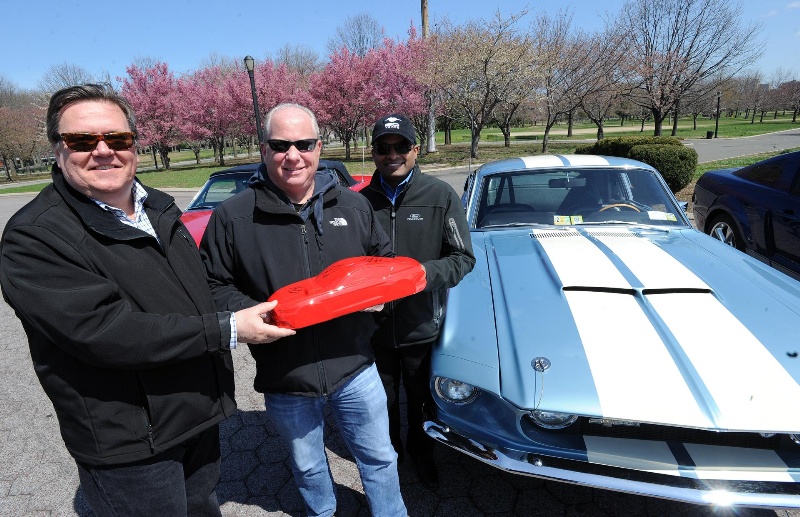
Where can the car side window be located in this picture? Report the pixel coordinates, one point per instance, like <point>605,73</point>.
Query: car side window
<point>221,190</point>
<point>768,174</point>
<point>795,188</point>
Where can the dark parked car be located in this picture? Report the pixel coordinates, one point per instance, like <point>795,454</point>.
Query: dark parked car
<point>755,209</point>
<point>224,184</point>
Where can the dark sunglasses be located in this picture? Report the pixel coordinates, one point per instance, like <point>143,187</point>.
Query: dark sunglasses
<point>84,142</point>
<point>281,146</point>
<point>383,149</point>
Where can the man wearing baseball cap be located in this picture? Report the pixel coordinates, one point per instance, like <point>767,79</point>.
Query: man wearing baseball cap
<point>425,220</point>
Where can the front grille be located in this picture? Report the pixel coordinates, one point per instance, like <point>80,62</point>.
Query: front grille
<point>662,433</point>
<point>683,435</point>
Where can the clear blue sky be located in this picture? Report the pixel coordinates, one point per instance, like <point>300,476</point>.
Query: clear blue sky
<point>108,36</point>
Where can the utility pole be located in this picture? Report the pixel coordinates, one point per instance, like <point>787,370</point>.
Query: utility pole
<point>431,106</point>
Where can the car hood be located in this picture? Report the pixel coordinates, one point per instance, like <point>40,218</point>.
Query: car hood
<point>664,327</point>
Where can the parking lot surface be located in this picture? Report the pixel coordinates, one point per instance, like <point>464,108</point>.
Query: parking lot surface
<point>39,478</point>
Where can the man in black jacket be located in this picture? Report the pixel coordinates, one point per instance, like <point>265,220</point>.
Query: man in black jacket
<point>425,221</point>
<point>122,328</point>
<point>288,226</point>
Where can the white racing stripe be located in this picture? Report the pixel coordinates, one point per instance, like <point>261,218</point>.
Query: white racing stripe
<point>711,461</point>
<point>749,386</point>
<point>655,268</point>
<point>634,375</point>
<point>714,462</point>
<point>629,363</point>
<point>646,455</point>
<point>578,261</point>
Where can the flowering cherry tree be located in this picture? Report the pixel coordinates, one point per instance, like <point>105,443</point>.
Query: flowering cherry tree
<point>278,83</point>
<point>399,84</point>
<point>214,106</point>
<point>344,97</point>
<point>155,98</point>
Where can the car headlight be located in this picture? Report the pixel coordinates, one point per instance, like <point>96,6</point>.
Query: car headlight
<point>552,419</point>
<point>455,392</point>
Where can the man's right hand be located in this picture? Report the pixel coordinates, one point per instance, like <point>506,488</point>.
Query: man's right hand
<point>253,325</point>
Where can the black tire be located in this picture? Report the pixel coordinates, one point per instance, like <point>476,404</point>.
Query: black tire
<point>722,227</point>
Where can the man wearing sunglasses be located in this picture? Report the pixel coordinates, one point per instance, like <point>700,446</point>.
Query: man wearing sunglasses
<point>121,324</point>
<point>425,221</point>
<point>292,223</point>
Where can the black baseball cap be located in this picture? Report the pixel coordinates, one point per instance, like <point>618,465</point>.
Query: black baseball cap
<point>394,125</point>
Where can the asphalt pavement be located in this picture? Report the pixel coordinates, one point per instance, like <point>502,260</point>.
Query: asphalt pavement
<point>39,478</point>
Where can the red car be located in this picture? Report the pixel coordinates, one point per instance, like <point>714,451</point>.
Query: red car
<point>224,184</point>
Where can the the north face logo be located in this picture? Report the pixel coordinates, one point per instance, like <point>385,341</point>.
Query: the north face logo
<point>338,221</point>
<point>414,217</point>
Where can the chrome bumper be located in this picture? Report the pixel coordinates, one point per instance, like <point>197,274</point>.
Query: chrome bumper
<point>518,462</point>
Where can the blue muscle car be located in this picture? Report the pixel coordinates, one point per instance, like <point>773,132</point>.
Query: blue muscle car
<point>755,209</point>
<point>601,340</point>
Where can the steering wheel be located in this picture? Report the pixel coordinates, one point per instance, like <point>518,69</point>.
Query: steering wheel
<point>618,207</point>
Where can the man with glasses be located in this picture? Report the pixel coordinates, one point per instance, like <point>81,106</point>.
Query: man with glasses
<point>121,324</point>
<point>292,223</point>
<point>425,221</point>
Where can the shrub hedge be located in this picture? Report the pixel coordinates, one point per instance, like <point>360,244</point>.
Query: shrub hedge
<point>668,155</point>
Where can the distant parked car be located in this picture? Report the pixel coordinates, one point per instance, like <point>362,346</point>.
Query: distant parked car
<point>601,340</point>
<point>755,209</point>
<point>226,183</point>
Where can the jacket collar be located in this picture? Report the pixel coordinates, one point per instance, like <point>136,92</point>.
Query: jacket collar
<point>375,181</point>
<point>100,220</point>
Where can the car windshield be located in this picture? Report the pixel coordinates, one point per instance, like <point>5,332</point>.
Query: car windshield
<point>575,197</point>
<point>217,190</point>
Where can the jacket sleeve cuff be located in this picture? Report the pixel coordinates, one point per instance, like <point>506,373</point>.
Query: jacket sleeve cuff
<point>226,321</point>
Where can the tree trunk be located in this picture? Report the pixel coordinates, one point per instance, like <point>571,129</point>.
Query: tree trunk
<point>569,124</point>
<point>476,137</point>
<point>658,122</point>
<point>675,120</point>
<point>155,156</point>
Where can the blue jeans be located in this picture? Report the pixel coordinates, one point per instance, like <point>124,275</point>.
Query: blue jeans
<point>359,408</point>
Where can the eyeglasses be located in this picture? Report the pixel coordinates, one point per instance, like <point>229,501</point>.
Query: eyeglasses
<point>281,146</point>
<point>383,149</point>
<point>83,142</point>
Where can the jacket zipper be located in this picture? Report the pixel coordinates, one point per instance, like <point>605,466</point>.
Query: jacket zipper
<point>315,337</point>
<point>150,437</point>
<point>393,239</point>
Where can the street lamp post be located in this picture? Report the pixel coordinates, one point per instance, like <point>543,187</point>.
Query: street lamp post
<point>249,63</point>
<point>716,124</point>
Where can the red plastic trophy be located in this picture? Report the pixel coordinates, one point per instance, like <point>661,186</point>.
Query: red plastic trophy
<point>347,286</point>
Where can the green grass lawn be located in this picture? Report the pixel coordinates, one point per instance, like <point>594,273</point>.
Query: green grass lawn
<point>186,173</point>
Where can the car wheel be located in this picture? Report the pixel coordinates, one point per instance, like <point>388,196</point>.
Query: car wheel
<point>724,229</point>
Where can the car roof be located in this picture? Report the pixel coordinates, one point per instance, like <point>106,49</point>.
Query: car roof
<point>556,161</point>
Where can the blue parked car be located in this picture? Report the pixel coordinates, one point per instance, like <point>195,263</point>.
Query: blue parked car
<point>602,340</point>
<point>755,209</point>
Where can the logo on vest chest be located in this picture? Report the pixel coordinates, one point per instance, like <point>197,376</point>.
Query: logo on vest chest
<point>338,221</point>
<point>414,217</point>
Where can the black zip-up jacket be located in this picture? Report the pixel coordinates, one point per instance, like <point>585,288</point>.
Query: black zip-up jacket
<point>256,242</point>
<point>427,223</point>
<point>123,332</point>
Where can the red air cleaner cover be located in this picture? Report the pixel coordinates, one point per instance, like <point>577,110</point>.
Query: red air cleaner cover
<point>347,286</point>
